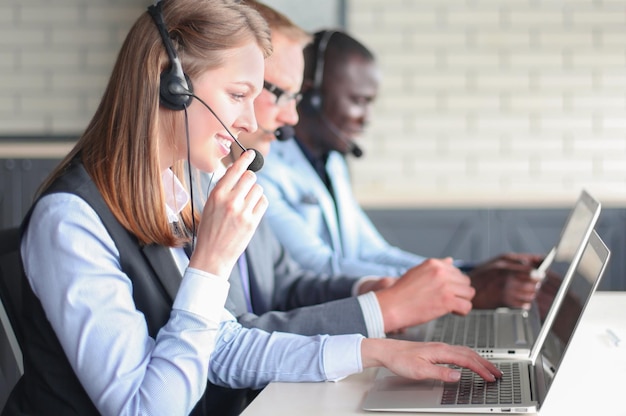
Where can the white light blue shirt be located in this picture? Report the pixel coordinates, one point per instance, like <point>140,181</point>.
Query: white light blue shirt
<point>73,267</point>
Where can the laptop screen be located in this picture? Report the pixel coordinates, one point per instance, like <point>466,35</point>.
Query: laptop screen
<point>563,260</point>
<point>577,227</point>
<point>583,283</point>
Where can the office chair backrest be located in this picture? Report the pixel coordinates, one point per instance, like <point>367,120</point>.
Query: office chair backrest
<point>11,366</point>
<point>11,276</point>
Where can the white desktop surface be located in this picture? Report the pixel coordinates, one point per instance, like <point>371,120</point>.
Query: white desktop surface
<point>590,381</point>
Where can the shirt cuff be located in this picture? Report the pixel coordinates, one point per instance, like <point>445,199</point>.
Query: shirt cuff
<point>372,315</point>
<point>342,356</point>
<point>214,291</point>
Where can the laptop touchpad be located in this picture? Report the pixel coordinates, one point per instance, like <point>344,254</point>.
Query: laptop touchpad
<point>397,383</point>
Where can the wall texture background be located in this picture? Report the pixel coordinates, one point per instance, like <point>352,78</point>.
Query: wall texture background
<point>56,57</point>
<point>483,102</point>
<point>489,102</point>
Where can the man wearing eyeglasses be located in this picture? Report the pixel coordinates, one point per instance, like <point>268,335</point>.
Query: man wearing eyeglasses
<point>275,107</point>
<point>312,209</point>
<point>271,291</point>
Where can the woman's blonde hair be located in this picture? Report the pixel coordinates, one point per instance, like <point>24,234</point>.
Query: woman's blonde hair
<point>119,148</point>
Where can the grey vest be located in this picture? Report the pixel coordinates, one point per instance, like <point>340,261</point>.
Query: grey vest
<point>49,385</point>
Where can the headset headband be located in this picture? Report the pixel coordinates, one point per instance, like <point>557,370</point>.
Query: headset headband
<point>320,58</point>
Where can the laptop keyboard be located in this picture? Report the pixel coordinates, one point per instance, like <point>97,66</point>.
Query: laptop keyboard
<point>474,330</point>
<point>472,389</point>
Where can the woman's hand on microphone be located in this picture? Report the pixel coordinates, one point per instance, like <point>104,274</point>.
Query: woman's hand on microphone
<point>230,217</point>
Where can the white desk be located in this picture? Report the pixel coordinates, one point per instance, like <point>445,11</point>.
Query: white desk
<point>590,381</point>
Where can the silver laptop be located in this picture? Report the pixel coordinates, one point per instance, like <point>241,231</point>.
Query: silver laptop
<point>508,332</point>
<point>526,382</point>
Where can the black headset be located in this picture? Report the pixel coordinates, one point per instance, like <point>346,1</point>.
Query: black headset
<point>175,91</point>
<point>313,97</point>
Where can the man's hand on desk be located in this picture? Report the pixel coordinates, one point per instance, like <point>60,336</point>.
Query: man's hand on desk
<point>425,292</point>
<point>505,280</point>
<point>436,287</point>
<point>419,360</point>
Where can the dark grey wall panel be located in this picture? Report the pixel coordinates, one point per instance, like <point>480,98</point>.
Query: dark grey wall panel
<point>534,230</point>
<point>457,233</point>
<point>471,234</point>
<point>612,228</point>
<point>478,234</point>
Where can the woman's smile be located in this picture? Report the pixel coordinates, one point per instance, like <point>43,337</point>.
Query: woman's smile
<point>224,143</point>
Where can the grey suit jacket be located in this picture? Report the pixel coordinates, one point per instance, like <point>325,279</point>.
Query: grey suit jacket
<point>287,298</point>
<point>324,232</point>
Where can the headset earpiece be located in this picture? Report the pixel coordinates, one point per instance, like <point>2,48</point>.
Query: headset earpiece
<point>311,101</point>
<point>175,91</point>
<point>313,97</point>
<point>315,100</point>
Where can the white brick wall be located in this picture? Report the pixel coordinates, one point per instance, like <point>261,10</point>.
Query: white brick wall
<point>483,102</point>
<point>493,102</point>
<point>55,58</point>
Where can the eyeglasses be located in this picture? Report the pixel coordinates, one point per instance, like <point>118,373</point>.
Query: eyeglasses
<point>282,97</point>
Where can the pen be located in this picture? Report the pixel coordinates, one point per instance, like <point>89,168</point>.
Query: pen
<point>540,272</point>
<point>614,338</point>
